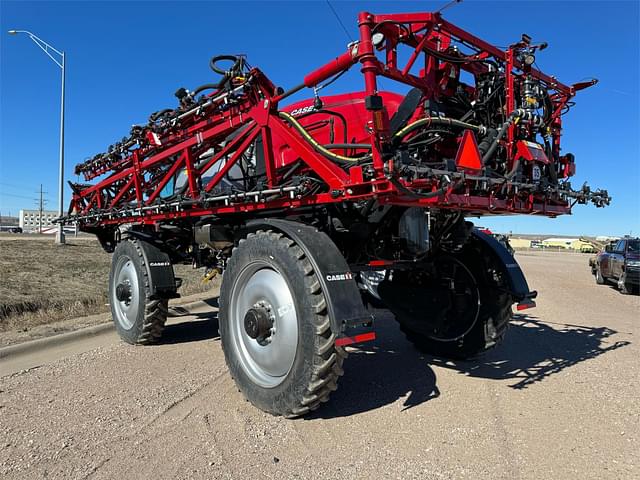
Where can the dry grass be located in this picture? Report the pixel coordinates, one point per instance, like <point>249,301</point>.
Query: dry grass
<point>41,282</point>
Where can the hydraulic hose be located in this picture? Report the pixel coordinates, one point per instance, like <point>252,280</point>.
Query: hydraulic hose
<point>519,113</point>
<point>206,86</point>
<point>552,161</point>
<point>450,122</point>
<point>333,114</point>
<point>494,145</point>
<point>345,146</point>
<point>398,136</point>
<point>235,70</point>
<point>316,146</point>
<point>406,191</point>
<point>237,63</point>
<point>154,116</point>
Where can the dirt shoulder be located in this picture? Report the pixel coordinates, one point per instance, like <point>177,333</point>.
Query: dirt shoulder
<point>44,285</point>
<point>20,335</point>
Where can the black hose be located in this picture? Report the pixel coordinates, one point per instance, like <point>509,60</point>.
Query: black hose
<point>206,86</point>
<point>449,122</point>
<point>332,113</point>
<point>503,129</point>
<point>154,116</point>
<point>235,70</point>
<point>289,172</point>
<point>487,141</point>
<point>552,163</point>
<point>219,58</point>
<point>405,190</point>
<point>447,58</point>
<point>357,146</point>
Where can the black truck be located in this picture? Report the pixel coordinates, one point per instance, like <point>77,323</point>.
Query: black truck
<point>619,262</point>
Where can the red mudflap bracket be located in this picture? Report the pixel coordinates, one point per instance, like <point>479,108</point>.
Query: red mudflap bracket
<point>363,337</point>
<point>525,304</point>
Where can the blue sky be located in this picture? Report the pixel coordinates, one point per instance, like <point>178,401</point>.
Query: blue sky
<point>125,60</point>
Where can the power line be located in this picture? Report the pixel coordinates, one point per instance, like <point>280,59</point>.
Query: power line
<point>3,194</point>
<point>340,21</point>
<point>4,186</point>
<point>13,185</point>
<point>335,14</point>
<point>451,3</point>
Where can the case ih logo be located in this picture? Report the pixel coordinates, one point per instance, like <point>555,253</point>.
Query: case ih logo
<point>303,110</point>
<point>160,264</point>
<point>336,277</point>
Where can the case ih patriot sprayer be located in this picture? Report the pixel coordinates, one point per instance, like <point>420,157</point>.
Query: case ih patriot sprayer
<point>314,210</point>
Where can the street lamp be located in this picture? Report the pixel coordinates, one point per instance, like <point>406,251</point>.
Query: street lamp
<point>48,49</point>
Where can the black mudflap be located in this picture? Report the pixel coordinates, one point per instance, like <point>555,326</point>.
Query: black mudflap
<point>350,320</point>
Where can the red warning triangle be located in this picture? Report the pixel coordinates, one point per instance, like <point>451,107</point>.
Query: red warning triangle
<point>468,156</point>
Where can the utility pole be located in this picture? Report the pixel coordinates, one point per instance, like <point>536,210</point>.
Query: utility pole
<point>41,201</point>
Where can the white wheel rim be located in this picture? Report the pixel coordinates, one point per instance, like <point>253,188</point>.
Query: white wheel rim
<point>125,311</point>
<point>267,361</point>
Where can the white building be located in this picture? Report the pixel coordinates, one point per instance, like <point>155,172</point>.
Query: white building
<point>30,220</point>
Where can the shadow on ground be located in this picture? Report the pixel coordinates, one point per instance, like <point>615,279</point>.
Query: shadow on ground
<point>632,290</point>
<point>389,369</point>
<point>381,372</point>
<point>534,350</point>
<point>204,327</point>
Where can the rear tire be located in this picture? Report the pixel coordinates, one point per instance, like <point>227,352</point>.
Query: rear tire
<point>493,316</point>
<point>138,318</point>
<point>489,330</point>
<point>291,364</point>
<point>600,280</point>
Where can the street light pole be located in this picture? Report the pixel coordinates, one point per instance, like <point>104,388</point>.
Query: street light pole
<point>46,48</point>
<point>60,240</point>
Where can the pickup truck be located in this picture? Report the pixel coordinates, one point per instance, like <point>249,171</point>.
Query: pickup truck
<point>619,262</point>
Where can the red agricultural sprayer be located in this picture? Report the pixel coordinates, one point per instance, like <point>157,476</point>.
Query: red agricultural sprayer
<point>314,211</point>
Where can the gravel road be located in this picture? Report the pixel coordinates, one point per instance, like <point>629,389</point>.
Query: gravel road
<point>559,399</point>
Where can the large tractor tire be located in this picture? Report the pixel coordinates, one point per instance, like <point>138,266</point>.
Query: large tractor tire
<point>138,318</point>
<point>466,313</point>
<point>275,327</point>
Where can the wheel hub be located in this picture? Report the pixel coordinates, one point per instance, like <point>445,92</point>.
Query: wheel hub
<point>258,323</point>
<point>123,292</point>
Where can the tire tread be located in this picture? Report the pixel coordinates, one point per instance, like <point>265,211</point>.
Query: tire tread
<point>327,359</point>
<point>155,310</point>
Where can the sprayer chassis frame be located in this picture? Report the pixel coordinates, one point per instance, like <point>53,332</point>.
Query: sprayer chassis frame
<point>126,196</point>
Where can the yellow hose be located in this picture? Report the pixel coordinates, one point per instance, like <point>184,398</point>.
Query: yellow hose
<point>327,153</point>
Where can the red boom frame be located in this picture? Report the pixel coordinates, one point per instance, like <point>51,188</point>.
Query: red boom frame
<point>131,191</point>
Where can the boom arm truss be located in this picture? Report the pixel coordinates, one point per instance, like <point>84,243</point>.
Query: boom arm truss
<point>216,131</point>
